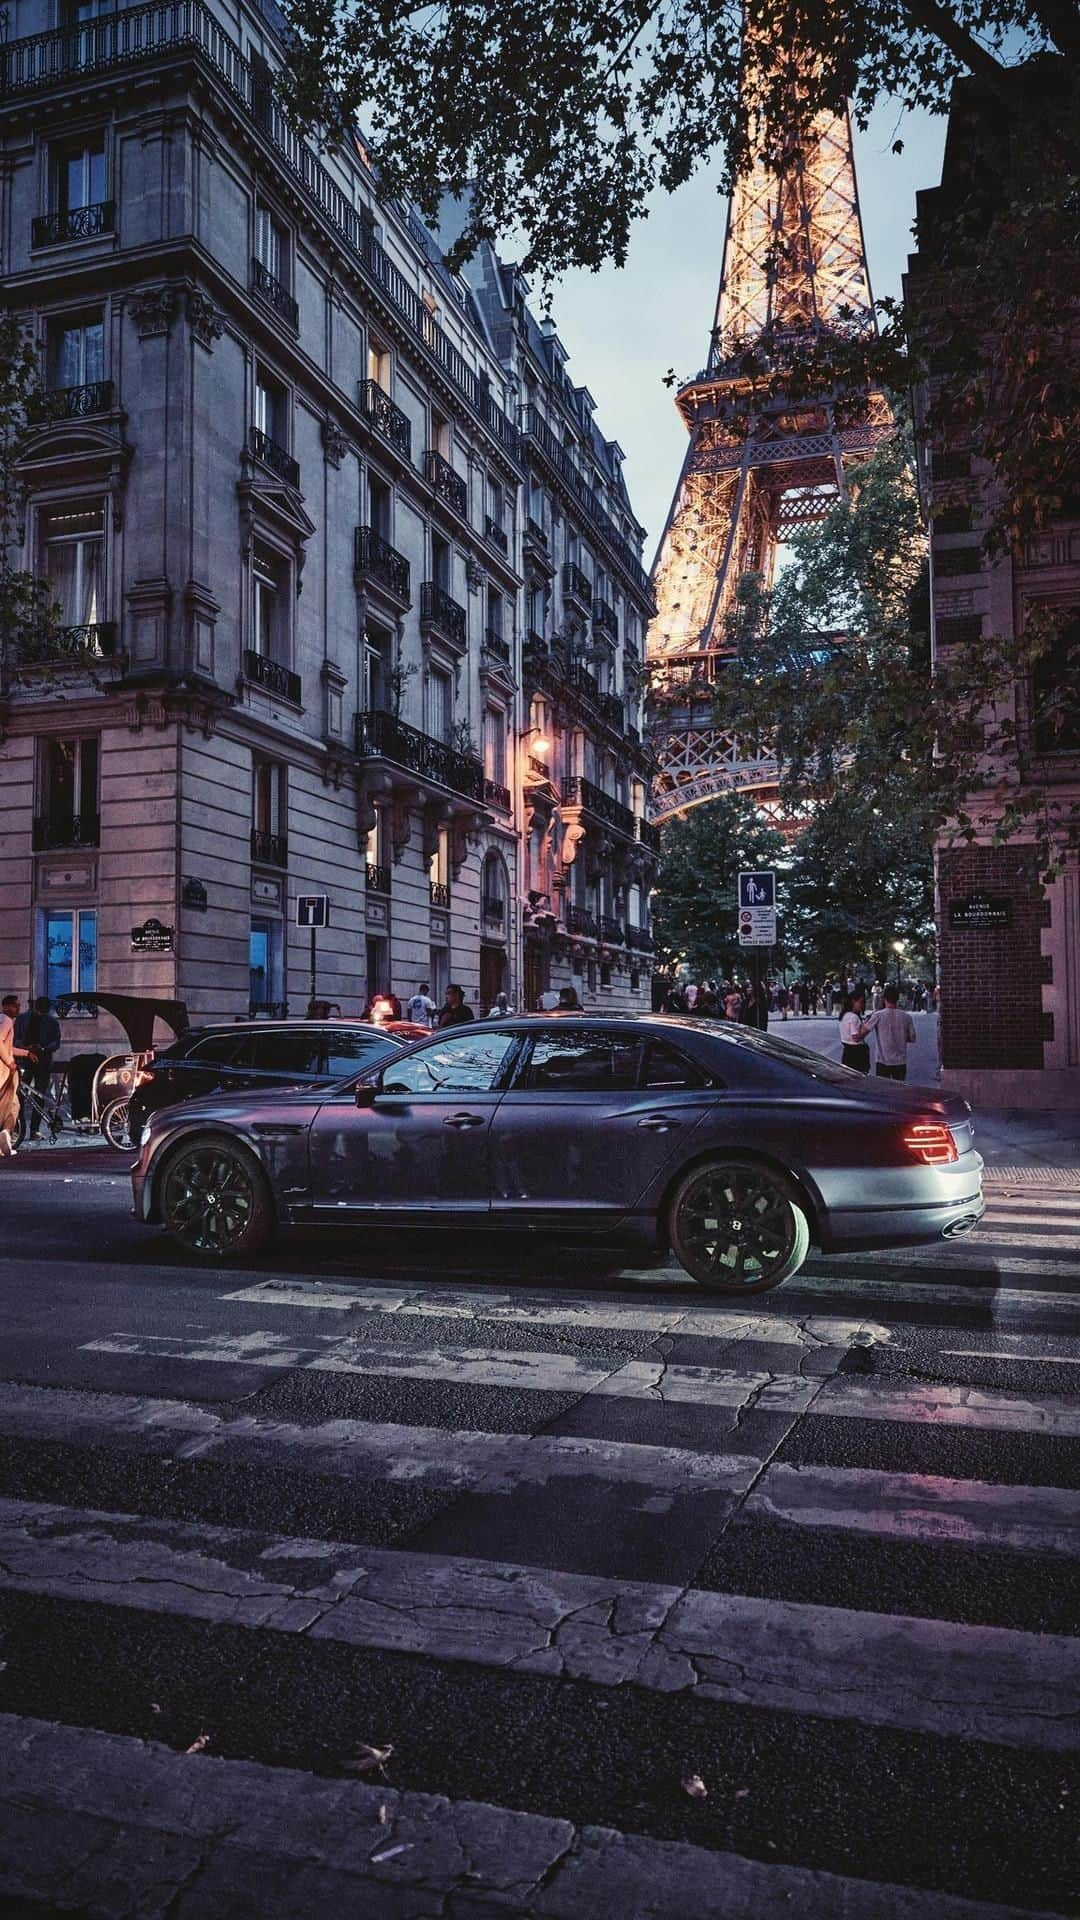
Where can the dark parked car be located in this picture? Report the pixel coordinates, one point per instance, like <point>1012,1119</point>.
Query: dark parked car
<point>738,1150</point>
<point>255,1055</point>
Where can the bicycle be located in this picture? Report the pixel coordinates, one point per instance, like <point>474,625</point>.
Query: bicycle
<point>49,1111</point>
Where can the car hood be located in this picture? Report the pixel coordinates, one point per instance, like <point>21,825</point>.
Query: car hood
<point>289,1104</point>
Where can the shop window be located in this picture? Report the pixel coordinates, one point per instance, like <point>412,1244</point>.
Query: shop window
<point>70,951</point>
<point>72,559</point>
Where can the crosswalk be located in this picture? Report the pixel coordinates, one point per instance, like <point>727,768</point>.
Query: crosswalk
<point>428,1598</point>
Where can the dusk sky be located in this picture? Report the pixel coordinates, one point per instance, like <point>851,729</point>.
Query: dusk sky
<point>625,329</point>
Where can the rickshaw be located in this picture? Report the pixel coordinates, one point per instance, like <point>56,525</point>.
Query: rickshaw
<point>115,1079</point>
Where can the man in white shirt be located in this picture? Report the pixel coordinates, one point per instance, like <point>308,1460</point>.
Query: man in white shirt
<point>894,1032</point>
<point>421,1008</point>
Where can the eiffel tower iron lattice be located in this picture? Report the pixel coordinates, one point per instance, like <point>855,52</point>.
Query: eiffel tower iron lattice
<point>794,275</point>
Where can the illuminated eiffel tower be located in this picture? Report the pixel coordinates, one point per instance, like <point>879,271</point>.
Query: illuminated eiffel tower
<point>794,273</point>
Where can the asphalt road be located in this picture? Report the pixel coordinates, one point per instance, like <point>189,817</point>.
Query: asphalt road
<point>565,1535</point>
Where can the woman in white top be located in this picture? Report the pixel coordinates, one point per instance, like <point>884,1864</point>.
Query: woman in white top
<point>855,1047</point>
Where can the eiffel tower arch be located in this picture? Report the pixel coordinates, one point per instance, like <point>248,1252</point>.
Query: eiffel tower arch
<point>794,273</point>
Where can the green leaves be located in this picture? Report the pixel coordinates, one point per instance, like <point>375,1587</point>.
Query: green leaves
<point>27,612</point>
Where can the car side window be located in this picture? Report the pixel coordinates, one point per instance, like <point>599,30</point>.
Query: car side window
<point>343,1052</point>
<point>666,1068</point>
<point>217,1050</point>
<point>582,1061</point>
<point>462,1063</point>
<point>292,1052</point>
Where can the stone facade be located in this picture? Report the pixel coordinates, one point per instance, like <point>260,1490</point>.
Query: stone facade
<point>1009,945</point>
<point>279,485</point>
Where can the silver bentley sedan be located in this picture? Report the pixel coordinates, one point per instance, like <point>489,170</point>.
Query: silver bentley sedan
<point>737,1150</point>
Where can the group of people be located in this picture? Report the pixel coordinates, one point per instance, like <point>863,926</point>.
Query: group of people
<point>28,1044</point>
<point>420,1008</point>
<point>891,1025</point>
<point>719,1000</point>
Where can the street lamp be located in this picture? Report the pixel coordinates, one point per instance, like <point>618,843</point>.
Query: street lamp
<point>899,947</point>
<point>542,745</point>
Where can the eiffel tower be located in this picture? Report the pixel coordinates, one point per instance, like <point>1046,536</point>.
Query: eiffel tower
<point>794,273</point>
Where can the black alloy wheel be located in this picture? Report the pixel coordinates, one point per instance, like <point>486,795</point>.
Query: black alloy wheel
<point>738,1227</point>
<point>214,1199</point>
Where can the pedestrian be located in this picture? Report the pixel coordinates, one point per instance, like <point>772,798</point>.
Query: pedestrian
<point>854,1046</point>
<point>38,1031</point>
<point>690,994</point>
<point>568,1001</point>
<point>706,1002</point>
<point>894,1033</point>
<point>500,1007</point>
<point>420,1007</point>
<point>9,1074</point>
<point>673,1000</point>
<point>318,1010</point>
<point>733,1003</point>
<point>782,1002</point>
<point>455,1012</point>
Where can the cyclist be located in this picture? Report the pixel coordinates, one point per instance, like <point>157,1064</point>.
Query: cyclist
<point>38,1031</point>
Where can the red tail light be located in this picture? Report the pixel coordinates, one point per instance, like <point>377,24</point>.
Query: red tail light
<point>931,1141</point>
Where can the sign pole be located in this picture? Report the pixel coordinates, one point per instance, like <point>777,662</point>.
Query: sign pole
<point>311,996</point>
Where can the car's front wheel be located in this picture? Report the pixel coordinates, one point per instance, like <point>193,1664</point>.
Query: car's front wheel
<point>737,1226</point>
<point>215,1201</point>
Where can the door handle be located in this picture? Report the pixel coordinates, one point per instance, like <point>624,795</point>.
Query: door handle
<point>463,1120</point>
<point>659,1123</point>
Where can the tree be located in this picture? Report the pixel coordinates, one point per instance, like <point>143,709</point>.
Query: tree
<point>694,921</point>
<point>859,884</point>
<point>28,614</point>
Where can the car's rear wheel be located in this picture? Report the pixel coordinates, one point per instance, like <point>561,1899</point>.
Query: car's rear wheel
<point>215,1201</point>
<point>737,1226</point>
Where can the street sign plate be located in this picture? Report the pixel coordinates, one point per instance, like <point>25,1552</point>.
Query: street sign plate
<point>313,910</point>
<point>757,890</point>
<point>757,926</point>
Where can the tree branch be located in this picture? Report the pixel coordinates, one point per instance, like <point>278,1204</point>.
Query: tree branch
<point>936,19</point>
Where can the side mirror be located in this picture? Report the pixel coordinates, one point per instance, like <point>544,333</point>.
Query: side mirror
<point>365,1096</point>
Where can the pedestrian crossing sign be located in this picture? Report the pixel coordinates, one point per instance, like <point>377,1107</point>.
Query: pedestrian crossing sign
<point>757,890</point>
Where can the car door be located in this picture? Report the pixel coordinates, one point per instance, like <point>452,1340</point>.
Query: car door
<point>423,1146</point>
<point>591,1121</point>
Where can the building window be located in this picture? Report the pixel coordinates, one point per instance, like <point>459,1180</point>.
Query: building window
<point>270,605</point>
<point>69,791</point>
<point>440,562</point>
<point>439,864</point>
<point>494,889</point>
<point>72,559</point>
<point>269,812</point>
<point>495,613</point>
<point>380,507</point>
<point>271,244</point>
<point>265,967</point>
<point>75,352</point>
<point>440,434</point>
<point>271,408</point>
<point>496,504</point>
<point>1055,693</point>
<point>376,678</point>
<point>70,951</point>
<point>77,174</point>
<point>378,364</point>
<point>438,704</point>
<point>494,744</point>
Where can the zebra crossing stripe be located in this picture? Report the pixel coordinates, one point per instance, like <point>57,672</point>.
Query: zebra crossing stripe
<point>993,1684</point>
<point>658,1381</point>
<point>211,1818</point>
<point>912,1506</point>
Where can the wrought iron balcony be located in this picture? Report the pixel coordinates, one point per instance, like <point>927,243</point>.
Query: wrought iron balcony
<point>273,291</point>
<point>438,893</point>
<point>496,795</point>
<point>494,907</point>
<point>613,711</point>
<point>576,584</point>
<point>377,879</point>
<point>583,682</point>
<point>375,559</point>
<point>536,643</point>
<point>604,617</point>
<point>535,535</point>
<point>580,920</point>
<point>443,614</point>
<point>639,939</point>
<point>53,830</point>
<point>449,486</point>
<point>269,849</point>
<point>539,768</point>
<point>612,930</point>
<point>648,835</point>
<point>581,792</point>
<point>387,419</point>
<point>538,434</point>
<point>496,533</point>
<point>494,643</point>
<point>276,679</point>
<point>383,736</point>
<point>272,455</point>
<point>76,223</point>
<point>71,403</point>
<point>97,639</point>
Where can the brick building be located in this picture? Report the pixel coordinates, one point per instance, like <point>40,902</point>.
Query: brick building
<point>1009,946</point>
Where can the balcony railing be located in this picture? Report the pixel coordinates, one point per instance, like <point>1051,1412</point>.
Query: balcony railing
<point>496,795</point>
<point>144,33</point>
<point>583,682</point>
<point>448,485</point>
<point>439,611</point>
<point>612,930</point>
<point>66,830</point>
<point>493,907</point>
<point>535,534</point>
<point>438,893</point>
<point>71,643</point>
<point>648,835</point>
<point>639,939</point>
<point>612,710</point>
<point>71,403</point>
<point>375,559</point>
<point>272,455</point>
<point>496,533</point>
<point>76,223</point>
<point>276,679</point>
<point>580,920</point>
<point>581,792</point>
<point>387,419</point>
<point>273,291</point>
<point>605,617</point>
<point>494,643</point>
<point>537,431</point>
<point>539,768</point>
<point>377,879</point>
<point>383,736</point>
<point>269,849</point>
<point>576,585</point>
